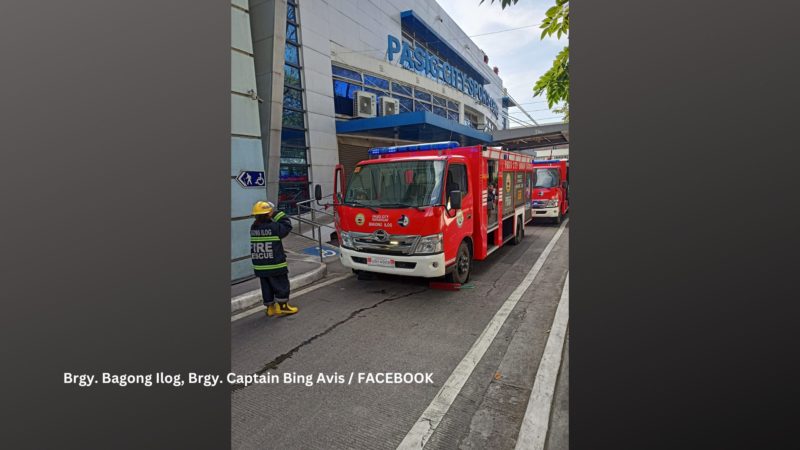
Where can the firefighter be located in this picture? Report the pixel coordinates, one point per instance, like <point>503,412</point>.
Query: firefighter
<point>491,196</point>
<point>269,260</point>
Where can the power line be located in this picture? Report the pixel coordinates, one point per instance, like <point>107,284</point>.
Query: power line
<point>501,31</point>
<point>533,110</point>
<point>521,108</point>
<point>531,103</point>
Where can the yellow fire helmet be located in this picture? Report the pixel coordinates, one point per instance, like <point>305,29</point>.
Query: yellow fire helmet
<point>263,208</point>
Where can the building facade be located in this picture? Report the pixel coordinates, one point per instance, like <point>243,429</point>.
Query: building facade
<point>246,149</point>
<point>336,77</point>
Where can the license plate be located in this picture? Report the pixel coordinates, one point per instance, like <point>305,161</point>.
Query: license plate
<point>378,261</point>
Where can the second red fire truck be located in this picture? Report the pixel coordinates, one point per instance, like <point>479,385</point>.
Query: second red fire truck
<point>429,210</point>
<point>550,195</point>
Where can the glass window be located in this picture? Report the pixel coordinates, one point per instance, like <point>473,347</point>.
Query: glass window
<point>291,76</point>
<point>456,180</point>
<point>452,105</point>
<point>452,115</point>
<point>292,54</point>
<point>295,138</point>
<point>370,80</point>
<point>291,13</point>
<point>398,88</point>
<point>439,111</point>
<point>291,193</point>
<point>439,101</point>
<point>292,98</point>
<point>293,155</point>
<point>545,178</point>
<point>406,104</point>
<point>376,92</point>
<point>420,106</point>
<point>294,173</point>
<point>421,95</point>
<point>343,93</point>
<point>345,73</point>
<point>293,119</point>
<point>396,184</point>
<point>345,89</point>
<point>291,32</point>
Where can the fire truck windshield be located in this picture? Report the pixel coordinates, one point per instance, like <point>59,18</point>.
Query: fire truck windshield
<point>395,184</point>
<point>545,178</point>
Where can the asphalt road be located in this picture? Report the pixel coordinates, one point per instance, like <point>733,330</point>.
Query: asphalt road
<point>399,324</point>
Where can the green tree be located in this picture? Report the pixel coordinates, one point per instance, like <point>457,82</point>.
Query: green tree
<point>555,82</point>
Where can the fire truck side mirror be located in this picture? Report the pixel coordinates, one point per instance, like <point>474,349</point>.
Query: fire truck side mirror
<point>318,192</point>
<point>455,199</point>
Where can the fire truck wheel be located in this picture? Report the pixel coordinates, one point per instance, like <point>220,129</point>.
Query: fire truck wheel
<point>557,220</point>
<point>460,273</point>
<point>520,233</point>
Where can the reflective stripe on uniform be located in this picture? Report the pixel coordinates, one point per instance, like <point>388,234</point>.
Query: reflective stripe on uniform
<point>278,216</point>
<point>271,266</point>
<point>264,238</point>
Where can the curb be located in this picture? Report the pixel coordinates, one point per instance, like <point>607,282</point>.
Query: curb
<point>253,298</point>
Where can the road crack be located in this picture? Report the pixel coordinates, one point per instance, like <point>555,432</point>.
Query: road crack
<point>272,365</point>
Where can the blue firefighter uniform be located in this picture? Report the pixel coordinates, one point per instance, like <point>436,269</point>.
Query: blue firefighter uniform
<point>269,260</point>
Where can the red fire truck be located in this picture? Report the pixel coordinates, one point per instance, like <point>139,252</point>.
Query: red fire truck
<point>550,195</point>
<point>429,210</point>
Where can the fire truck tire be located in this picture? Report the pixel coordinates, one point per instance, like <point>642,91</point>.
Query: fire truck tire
<point>463,265</point>
<point>520,233</point>
<point>557,220</point>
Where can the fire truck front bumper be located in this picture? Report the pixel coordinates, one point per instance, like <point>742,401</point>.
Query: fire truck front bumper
<point>427,266</point>
<point>544,212</point>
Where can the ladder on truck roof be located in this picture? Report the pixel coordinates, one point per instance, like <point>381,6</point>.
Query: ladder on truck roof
<point>494,152</point>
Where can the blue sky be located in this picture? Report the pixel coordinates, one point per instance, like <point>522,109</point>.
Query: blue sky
<point>520,55</point>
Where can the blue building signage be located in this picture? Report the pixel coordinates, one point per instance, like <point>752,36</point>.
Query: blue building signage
<point>251,178</point>
<point>419,60</point>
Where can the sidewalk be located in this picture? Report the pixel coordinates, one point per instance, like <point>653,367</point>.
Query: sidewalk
<point>304,266</point>
<point>303,270</point>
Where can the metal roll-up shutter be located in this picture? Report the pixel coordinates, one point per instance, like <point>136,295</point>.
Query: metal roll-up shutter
<point>350,155</point>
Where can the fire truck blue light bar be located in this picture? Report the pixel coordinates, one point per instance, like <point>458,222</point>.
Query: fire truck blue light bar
<point>445,145</point>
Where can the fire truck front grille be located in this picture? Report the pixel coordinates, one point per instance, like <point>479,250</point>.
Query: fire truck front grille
<point>536,204</point>
<point>393,244</point>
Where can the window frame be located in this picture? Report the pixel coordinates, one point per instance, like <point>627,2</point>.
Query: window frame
<point>464,177</point>
<point>407,93</point>
<point>292,109</point>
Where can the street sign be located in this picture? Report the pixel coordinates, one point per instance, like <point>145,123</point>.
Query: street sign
<point>326,251</point>
<point>251,178</point>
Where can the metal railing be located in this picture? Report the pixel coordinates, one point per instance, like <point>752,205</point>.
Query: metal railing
<point>307,214</point>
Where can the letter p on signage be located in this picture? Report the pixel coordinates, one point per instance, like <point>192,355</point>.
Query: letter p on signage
<point>393,47</point>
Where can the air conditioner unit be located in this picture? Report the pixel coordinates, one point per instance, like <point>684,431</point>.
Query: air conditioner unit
<point>364,104</point>
<point>389,106</point>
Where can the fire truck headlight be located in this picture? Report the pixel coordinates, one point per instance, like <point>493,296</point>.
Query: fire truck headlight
<point>347,241</point>
<point>429,244</point>
<point>552,203</point>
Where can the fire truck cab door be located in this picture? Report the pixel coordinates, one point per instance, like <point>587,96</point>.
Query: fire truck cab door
<point>458,223</point>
